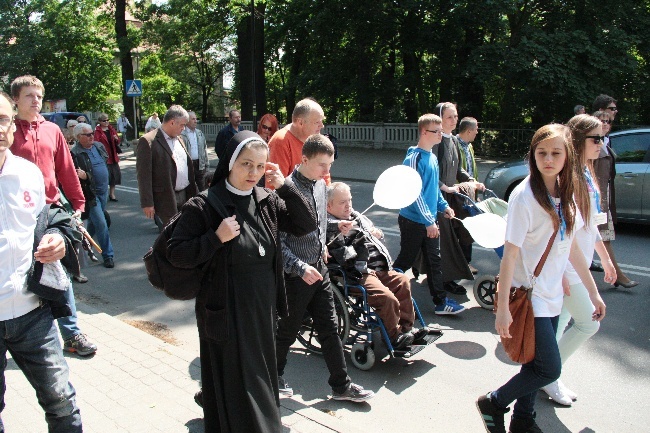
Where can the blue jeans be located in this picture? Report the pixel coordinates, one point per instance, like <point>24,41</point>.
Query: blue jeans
<point>97,226</point>
<point>68,325</point>
<point>34,345</point>
<point>544,369</point>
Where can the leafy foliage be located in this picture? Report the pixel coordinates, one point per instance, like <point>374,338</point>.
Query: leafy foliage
<point>502,61</point>
<point>64,44</point>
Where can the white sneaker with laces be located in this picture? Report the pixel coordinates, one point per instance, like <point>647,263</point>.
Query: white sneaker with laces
<point>556,394</point>
<point>572,395</point>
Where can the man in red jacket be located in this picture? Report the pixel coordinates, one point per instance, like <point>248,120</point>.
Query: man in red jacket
<point>43,143</point>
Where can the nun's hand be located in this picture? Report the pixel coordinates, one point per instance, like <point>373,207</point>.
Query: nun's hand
<point>274,176</point>
<point>228,229</point>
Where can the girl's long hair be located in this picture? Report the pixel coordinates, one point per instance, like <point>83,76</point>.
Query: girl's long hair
<point>580,126</point>
<point>566,178</point>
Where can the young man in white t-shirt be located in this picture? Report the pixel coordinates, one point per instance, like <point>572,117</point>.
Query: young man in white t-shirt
<point>26,323</point>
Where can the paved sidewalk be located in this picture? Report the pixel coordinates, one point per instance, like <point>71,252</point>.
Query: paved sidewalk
<point>136,383</point>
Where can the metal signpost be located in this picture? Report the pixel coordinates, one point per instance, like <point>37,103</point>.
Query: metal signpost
<point>134,89</point>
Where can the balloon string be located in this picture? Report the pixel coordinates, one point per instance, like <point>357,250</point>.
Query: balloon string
<point>338,235</point>
<point>368,208</point>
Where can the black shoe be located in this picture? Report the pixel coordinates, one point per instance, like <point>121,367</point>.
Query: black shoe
<point>596,267</point>
<point>198,398</point>
<point>81,278</point>
<point>108,263</point>
<point>492,415</point>
<point>402,341</point>
<point>419,334</point>
<point>92,256</point>
<point>527,425</point>
<point>454,288</point>
<point>112,198</point>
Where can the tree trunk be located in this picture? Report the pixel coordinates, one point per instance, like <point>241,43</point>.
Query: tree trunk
<point>251,64</point>
<point>244,70</point>
<point>411,64</point>
<point>260,76</point>
<point>126,62</point>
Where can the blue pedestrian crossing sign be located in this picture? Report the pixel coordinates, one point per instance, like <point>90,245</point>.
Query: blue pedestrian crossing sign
<point>133,88</point>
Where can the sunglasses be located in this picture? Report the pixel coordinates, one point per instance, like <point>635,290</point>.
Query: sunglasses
<point>103,120</point>
<point>596,138</point>
<point>90,134</point>
<point>612,108</point>
<point>437,131</point>
<point>266,128</point>
<point>606,121</point>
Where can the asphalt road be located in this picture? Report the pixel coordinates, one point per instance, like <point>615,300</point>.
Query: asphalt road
<point>436,389</point>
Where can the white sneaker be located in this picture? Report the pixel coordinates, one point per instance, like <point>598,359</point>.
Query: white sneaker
<point>554,391</point>
<point>566,391</point>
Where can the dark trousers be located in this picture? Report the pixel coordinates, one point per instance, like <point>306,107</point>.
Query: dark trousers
<point>318,300</point>
<point>199,175</point>
<point>545,368</point>
<point>413,239</point>
<point>464,239</point>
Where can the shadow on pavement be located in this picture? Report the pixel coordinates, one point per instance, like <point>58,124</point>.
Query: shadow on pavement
<point>547,418</point>
<point>195,425</point>
<point>463,349</point>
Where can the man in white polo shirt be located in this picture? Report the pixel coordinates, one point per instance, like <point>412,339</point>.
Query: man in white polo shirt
<point>27,326</point>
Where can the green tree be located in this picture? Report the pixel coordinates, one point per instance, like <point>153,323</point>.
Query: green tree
<point>63,44</point>
<point>191,37</point>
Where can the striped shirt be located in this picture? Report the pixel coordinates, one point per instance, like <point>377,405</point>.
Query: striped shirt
<point>298,252</point>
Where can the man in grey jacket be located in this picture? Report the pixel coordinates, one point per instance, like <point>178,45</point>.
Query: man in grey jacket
<point>197,149</point>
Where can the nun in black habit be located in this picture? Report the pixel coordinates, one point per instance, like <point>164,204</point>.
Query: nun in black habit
<point>243,291</point>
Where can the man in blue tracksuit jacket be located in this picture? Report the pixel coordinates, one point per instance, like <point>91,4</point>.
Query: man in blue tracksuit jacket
<point>417,222</point>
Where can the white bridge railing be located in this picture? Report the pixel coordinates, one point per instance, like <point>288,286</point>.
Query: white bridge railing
<point>493,139</point>
<point>368,135</point>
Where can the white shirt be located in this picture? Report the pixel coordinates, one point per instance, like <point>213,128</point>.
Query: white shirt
<point>152,123</point>
<point>194,145</point>
<point>180,158</point>
<point>22,197</point>
<point>122,123</point>
<point>529,227</point>
<point>586,238</point>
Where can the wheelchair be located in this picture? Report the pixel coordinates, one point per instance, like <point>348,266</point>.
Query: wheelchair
<point>357,322</point>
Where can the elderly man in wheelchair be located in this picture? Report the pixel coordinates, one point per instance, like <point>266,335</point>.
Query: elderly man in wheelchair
<point>355,244</point>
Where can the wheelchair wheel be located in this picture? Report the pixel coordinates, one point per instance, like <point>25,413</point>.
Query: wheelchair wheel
<point>363,357</point>
<point>485,289</point>
<point>307,335</point>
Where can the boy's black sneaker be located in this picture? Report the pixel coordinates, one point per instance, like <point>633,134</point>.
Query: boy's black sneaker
<point>491,414</point>
<point>527,425</point>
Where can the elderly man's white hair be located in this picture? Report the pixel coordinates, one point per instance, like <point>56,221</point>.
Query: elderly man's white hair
<point>80,128</point>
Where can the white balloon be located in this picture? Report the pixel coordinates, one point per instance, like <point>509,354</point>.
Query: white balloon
<point>397,187</point>
<point>487,229</point>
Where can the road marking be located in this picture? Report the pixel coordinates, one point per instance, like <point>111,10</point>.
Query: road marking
<point>127,189</point>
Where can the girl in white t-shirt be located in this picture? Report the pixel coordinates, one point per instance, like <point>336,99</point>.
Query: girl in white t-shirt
<point>540,204</point>
<point>586,132</point>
